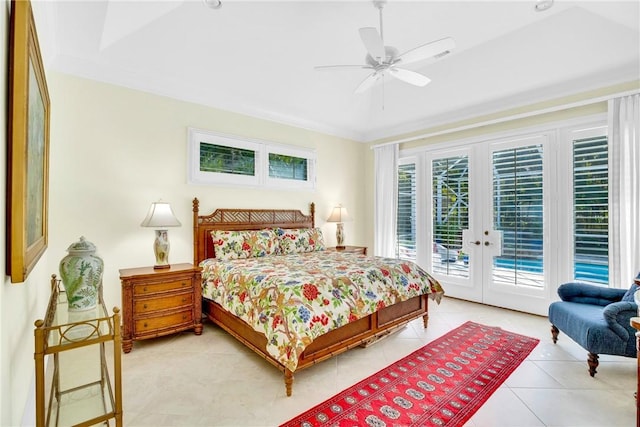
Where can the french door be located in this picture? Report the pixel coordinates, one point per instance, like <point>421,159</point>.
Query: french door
<point>489,222</point>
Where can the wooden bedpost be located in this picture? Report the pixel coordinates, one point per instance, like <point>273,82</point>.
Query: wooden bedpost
<point>312,211</point>
<point>425,316</point>
<point>196,244</point>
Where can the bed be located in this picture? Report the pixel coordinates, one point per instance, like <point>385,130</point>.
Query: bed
<point>382,312</point>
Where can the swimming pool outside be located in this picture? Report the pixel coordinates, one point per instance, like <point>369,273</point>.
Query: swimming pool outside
<point>590,272</point>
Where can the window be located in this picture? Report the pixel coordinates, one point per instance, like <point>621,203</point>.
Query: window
<point>450,188</point>
<point>224,159</point>
<point>406,215</point>
<point>287,167</point>
<point>591,209</point>
<point>518,214</point>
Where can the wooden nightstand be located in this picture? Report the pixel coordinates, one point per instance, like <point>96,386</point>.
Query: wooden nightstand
<point>160,302</point>
<point>352,249</point>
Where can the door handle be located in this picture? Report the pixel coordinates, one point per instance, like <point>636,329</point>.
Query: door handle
<point>487,243</point>
<point>477,242</point>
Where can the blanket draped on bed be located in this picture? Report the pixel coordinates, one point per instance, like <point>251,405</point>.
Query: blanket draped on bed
<point>292,299</point>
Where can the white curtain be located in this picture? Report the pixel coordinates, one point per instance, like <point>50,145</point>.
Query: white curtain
<point>624,190</point>
<point>385,199</point>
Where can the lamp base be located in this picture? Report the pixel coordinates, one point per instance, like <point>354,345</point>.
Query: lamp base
<point>161,249</point>
<point>340,235</point>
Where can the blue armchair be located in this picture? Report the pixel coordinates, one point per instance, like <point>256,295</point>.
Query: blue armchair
<point>597,318</point>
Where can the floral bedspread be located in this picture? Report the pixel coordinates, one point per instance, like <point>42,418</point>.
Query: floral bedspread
<point>292,299</point>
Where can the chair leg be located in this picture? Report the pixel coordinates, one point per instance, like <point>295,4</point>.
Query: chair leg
<point>554,333</point>
<point>592,360</point>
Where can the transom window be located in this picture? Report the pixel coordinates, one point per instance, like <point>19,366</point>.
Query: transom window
<point>216,158</point>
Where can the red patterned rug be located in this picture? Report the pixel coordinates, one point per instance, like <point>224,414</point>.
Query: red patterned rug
<point>442,384</point>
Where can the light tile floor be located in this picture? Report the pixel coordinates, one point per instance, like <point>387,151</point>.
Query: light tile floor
<point>213,380</point>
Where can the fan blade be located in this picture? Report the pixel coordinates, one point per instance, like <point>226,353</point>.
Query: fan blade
<point>410,77</point>
<point>368,82</point>
<point>428,50</point>
<point>338,67</point>
<point>373,43</point>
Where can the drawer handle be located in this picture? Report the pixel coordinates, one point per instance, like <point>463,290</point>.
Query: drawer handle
<point>144,306</point>
<point>184,300</point>
<point>184,283</point>
<point>145,324</point>
<point>184,317</point>
<point>144,289</point>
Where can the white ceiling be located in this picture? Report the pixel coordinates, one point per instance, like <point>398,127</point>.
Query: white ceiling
<point>257,57</point>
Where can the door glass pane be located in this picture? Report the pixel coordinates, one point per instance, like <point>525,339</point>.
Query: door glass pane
<point>591,209</point>
<point>450,180</point>
<point>517,215</point>
<point>406,216</point>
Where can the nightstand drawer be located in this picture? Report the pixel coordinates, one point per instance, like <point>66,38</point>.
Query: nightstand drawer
<point>143,306</point>
<point>152,324</point>
<point>151,288</point>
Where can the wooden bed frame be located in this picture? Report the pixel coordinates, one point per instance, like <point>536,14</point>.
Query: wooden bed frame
<point>361,332</point>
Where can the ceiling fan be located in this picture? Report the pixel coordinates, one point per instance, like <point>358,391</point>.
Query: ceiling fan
<point>383,60</point>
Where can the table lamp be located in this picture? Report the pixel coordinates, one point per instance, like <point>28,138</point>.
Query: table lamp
<point>160,216</point>
<point>339,215</point>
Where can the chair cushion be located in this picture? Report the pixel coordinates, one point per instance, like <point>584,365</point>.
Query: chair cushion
<point>589,294</point>
<point>628,296</point>
<point>586,325</point>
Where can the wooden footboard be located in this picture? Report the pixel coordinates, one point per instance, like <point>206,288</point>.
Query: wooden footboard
<point>364,331</point>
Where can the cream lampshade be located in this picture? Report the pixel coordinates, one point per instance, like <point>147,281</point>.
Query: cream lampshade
<point>339,215</point>
<point>160,216</point>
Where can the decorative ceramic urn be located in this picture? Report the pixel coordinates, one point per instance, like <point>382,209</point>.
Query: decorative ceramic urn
<point>81,273</point>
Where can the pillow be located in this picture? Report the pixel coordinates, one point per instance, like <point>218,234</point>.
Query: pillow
<point>628,296</point>
<point>243,244</point>
<point>260,243</point>
<point>228,244</point>
<point>300,240</point>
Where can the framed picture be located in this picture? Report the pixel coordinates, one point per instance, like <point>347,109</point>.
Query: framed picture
<point>28,147</point>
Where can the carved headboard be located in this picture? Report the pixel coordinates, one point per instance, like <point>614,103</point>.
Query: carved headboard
<point>241,219</point>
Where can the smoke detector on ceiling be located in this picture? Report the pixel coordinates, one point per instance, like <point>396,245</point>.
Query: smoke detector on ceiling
<point>543,5</point>
<point>213,4</point>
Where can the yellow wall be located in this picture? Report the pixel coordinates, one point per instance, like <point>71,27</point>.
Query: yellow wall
<point>115,150</point>
<point>20,304</point>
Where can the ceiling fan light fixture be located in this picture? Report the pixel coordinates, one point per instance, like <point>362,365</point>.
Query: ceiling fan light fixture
<point>441,54</point>
<point>213,4</point>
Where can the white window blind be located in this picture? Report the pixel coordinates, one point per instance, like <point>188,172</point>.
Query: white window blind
<point>591,209</point>
<point>518,209</point>
<point>224,159</point>
<point>450,188</point>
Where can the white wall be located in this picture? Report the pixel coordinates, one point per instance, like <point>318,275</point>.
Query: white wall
<point>115,150</point>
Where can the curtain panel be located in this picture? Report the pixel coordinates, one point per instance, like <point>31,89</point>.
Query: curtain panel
<point>385,200</point>
<point>624,190</point>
